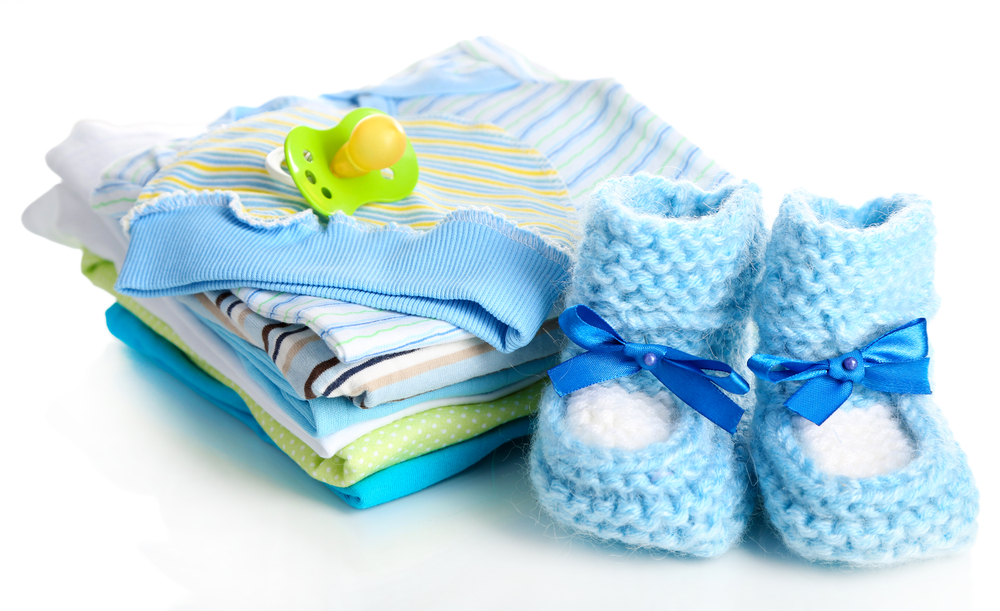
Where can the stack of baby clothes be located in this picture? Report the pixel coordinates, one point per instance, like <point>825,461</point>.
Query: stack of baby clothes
<point>384,351</point>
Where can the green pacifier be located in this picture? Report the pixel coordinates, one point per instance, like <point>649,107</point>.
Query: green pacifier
<point>365,158</point>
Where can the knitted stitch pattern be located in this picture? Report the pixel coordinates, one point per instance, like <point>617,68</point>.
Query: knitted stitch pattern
<point>663,263</point>
<point>835,279</point>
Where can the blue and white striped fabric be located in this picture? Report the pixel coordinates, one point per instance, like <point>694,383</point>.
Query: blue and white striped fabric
<point>588,130</point>
<point>481,242</point>
<point>311,369</point>
<point>322,416</point>
<point>353,332</point>
<point>122,181</point>
<point>463,163</point>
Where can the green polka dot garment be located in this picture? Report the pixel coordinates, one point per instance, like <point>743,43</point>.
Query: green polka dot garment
<point>402,440</point>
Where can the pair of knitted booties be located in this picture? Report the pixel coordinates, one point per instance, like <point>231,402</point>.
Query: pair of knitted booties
<point>670,280</point>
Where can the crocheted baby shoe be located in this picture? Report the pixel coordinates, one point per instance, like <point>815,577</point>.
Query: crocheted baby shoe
<point>882,480</point>
<point>669,264</point>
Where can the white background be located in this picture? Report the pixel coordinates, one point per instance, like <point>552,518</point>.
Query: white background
<point>124,490</point>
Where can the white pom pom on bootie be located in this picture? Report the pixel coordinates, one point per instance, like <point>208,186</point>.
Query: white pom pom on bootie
<point>857,442</point>
<point>612,417</point>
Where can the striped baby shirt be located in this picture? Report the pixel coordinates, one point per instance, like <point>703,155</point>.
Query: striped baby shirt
<point>353,332</point>
<point>312,370</point>
<point>327,416</point>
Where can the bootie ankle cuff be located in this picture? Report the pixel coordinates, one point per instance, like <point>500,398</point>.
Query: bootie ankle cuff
<point>668,263</point>
<point>837,277</point>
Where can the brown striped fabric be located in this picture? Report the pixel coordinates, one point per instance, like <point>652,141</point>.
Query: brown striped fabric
<point>313,370</point>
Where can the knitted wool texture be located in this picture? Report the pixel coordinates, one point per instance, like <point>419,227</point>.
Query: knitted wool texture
<point>663,263</point>
<point>835,279</point>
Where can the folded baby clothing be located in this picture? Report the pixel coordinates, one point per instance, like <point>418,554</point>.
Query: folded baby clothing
<point>322,416</point>
<point>671,266</point>
<point>357,451</point>
<point>585,130</point>
<point>454,283</point>
<point>389,483</point>
<point>210,220</point>
<point>312,369</point>
<point>345,468</point>
<point>388,350</point>
<point>352,332</point>
<point>855,460</point>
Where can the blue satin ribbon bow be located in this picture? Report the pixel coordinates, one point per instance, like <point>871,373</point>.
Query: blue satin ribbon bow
<point>611,357</point>
<point>896,362</point>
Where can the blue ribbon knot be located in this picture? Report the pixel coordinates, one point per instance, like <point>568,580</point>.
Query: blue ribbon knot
<point>610,357</point>
<point>896,362</point>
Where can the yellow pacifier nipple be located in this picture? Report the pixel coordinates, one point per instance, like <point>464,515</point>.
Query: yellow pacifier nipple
<point>375,143</point>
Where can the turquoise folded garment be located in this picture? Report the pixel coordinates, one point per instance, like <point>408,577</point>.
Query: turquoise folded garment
<point>381,487</point>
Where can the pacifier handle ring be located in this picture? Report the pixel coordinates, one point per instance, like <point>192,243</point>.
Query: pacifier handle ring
<point>273,163</point>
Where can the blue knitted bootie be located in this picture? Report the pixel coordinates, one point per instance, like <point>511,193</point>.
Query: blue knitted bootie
<point>669,264</point>
<point>881,480</point>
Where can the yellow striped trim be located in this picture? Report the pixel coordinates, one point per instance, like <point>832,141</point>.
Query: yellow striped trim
<point>490,164</point>
<point>423,225</point>
<point>550,205</point>
<point>484,147</point>
<point>269,142</point>
<point>450,124</point>
<point>434,205</point>
<point>224,168</point>
<point>295,120</point>
<point>186,185</point>
<point>256,212</point>
<point>229,149</point>
<point>305,110</point>
<point>424,204</point>
<point>432,199</point>
<point>486,181</point>
<point>479,196</point>
<point>287,201</point>
<point>274,120</point>
<point>238,130</point>
<point>558,228</point>
<point>507,196</point>
<point>568,240</point>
